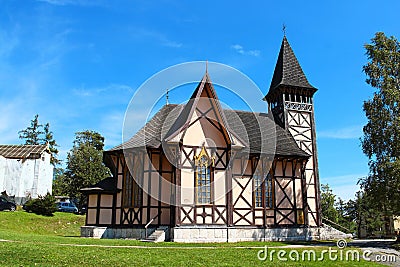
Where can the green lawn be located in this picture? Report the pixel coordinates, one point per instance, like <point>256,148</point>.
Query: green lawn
<point>35,240</point>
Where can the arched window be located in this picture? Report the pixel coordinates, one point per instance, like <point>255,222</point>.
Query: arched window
<point>203,177</point>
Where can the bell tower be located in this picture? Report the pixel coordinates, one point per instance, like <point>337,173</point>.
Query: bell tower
<point>290,99</point>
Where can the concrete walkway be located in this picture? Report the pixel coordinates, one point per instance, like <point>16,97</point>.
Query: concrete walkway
<point>381,250</point>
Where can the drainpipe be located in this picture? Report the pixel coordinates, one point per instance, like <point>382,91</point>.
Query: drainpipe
<point>35,179</point>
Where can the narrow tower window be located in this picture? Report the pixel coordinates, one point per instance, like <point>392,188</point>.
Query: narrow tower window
<point>203,177</point>
<point>262,193</point>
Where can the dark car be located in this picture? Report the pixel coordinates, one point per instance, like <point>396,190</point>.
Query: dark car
<point>7,205</point>
<point>67,207</point>
<point>83,209</point>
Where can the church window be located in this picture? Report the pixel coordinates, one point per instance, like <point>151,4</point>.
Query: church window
<point>203,177</point>
<point>132,193</point>
<point>262,192</point>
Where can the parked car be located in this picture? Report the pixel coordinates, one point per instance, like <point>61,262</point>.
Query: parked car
<point>83,210</point>
<point>7,205</point>
<point>67,207</point>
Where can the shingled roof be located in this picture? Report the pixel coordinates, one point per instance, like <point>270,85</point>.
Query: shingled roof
<point>183,119</point>
<point>288,70</point>
<point>108,185</point>
<point>22,151</point>
<point>257,128</point>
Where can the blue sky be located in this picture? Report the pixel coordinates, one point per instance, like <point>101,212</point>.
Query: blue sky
<point>77,63</point>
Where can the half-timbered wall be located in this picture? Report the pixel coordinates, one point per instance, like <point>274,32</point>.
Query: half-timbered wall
<point>100,209</point>
<point>145,178</point>
<point>205,129</point>
<point>293,109</point>
<point>289,192</point>
<point>300,121</point>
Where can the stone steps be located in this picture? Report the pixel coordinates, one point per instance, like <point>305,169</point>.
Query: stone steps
<point>158,235</point>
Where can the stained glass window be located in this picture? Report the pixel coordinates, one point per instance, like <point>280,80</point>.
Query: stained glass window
<point>203,177</point>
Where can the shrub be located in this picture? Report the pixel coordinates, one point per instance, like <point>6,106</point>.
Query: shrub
<point>43,205</point>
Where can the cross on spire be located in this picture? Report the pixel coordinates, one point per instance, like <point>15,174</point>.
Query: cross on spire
<point>167,96</point>
<point>284,29</point>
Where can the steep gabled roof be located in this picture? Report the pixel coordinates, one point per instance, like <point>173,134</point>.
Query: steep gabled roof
<point>288,70</point>
<point>151,134</point>
<point>183,120</point>
<point>22,151</point>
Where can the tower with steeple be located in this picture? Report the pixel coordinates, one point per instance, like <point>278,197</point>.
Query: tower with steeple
<point>290,99</point>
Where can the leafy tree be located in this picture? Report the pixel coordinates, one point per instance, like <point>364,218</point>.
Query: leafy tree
<point>37,134</point>
<point>59,182</point>
<point>328,203</point>
<point>85,165</point>
<point>360,216</point>
<point>381,141</point>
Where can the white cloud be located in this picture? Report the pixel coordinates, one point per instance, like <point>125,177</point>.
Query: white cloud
<point>350,132</point>
<point>111,129</point>
<point>239,49</point>
<point>171,44</point>
<point>8,41</point>
<point>344,186</point>
<point>106,91</point>
<point>73,2</point>
<point>161,38</point>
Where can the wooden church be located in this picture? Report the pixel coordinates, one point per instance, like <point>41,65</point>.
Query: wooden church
<point>206,177</point>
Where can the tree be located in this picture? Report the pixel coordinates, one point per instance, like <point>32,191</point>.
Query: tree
<point>32,133</point>
<point>381,140</point>
<point>36,134</point>
<point>43,205</point>
<point>85,165</point>
<point>59,181</point>
<point>49,139</point>
<point>328,203</point>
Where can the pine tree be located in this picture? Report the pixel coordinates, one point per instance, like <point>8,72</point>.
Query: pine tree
<point>32,133</point>
<point>49,139</point>
<point>36,134</point>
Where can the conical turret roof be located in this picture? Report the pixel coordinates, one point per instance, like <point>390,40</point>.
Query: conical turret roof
<point>288,71</point>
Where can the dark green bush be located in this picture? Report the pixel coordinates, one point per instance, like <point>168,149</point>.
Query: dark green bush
<point>43,205</point>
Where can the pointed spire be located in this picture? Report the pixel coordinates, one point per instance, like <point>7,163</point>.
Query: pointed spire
<point>288,70</point>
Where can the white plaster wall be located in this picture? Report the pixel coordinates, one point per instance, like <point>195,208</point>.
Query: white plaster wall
<point>45,182</point>
<point>2,172</point>
<point>13,183</point>
<point>17,176</point>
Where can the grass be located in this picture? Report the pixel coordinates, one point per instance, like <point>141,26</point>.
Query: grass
<point>54,241</point>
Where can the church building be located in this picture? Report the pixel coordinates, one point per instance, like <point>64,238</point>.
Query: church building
<point>210,175</point>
